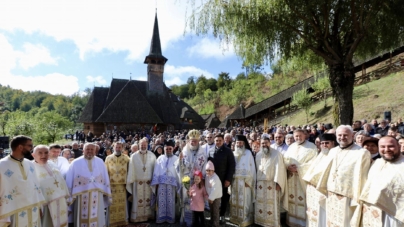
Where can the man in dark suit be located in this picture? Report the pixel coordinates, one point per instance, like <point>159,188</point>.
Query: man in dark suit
<point>225,166</point>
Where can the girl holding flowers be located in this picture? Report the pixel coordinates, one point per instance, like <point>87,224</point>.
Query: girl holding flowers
<point>198,194</point>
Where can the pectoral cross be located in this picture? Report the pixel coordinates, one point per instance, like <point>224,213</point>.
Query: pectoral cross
<point>56,183</point>
<point>144,169</point>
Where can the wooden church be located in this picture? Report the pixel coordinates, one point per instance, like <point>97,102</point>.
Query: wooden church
<point>132,105</point>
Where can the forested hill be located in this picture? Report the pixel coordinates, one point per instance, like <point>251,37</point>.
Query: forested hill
<point>39,114</point>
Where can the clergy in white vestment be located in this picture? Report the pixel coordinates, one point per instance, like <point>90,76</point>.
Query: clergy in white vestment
<point>316,215</point>
<point>383,194</point>
<point>193,157</point>
<point>209,147</point>
<point>140,174</point>
<point>243,185</point>
<point>89,187</point>
<point>61,162</point>
<point>345,179</point>
<point>271,185</point>
<point>117,167</point>
<point>297,160</point>
<point>21,197</point>
<point>53,187</point>
<point>165,184</point>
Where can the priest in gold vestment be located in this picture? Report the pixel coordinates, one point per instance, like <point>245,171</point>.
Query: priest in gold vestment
<point>271,185</point>
<point>344,180</point>
<point>117,167</point>
<point>383,194</point>
<point>298,159</point>
<point>316,215</point>
<point>20,194</point>
<point>243,185</point>
<point>53,187</point>
<point>89,187</point>
<point>140,174</point>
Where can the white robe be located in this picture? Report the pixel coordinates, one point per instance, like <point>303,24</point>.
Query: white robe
<point>89,187</point>
<point>383,194</point>
<point>20,193</point>
<point>242,197</point>
<point>268,201</point>
<point>316,201</point>
<point>192,161</point>
<point>302,156</point>
<point>138,184</point>
<point>166,179</point>
<point>344,182</point>
<point>55,191</point>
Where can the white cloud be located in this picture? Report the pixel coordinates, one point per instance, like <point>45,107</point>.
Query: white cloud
<point>179,74</point>
<point>54,83</point>
<point>98,79</point>
<point>95,25</point>
<point>211,48</point>
<point>34,55</point>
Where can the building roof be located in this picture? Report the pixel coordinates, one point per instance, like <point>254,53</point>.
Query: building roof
<point>129,106</point>
<point>211,120</point>
<point>279,98</point>
<point>95,105</point>
<point>128,101</point>
<point>238,113</point>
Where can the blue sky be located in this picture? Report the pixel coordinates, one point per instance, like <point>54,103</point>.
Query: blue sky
<point>62,47</point>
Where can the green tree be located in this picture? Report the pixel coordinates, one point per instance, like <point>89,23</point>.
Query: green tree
<point>303,100</point>
<point>223,80</point>
<point>51,125</point>
<point>212,84</point>
<point>334,30</point>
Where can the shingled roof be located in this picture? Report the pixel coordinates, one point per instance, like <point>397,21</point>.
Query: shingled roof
<point>280,97</point>
<point>238,113</point>
<point>211,120</point>
<point>129,106</point>
<point>95,105</point>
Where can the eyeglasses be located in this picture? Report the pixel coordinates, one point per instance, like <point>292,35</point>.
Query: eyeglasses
<point>209,170</point>
<point>325,142</point>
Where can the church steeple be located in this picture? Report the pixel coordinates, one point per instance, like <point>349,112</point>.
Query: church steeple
<point>155,62</point>
<point>155,53</point>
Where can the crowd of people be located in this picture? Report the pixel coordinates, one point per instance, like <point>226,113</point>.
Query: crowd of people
<point>313,175</point>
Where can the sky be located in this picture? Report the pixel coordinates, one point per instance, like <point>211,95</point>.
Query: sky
<point>65,46</point>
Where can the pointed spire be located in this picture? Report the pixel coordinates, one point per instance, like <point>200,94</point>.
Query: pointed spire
<point>155,46</point>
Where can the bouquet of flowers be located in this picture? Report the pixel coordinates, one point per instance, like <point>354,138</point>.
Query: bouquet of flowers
<point>186,181</point>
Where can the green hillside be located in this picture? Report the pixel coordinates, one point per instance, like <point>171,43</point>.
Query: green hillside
<point>370,101</point>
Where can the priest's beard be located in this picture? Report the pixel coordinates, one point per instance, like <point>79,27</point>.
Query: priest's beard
<point>239,150</point>
<point>192,148</point>
<point>118,152</point>
<point>142,151</point>
<point>325,150</point>
<point>265,150</point>
<point>392,159</point>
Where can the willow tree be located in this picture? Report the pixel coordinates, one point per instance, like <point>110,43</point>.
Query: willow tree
<point>336,31</point>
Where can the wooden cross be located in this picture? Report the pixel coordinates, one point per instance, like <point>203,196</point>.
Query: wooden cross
<point>144,169</point>
<point>56,183</point>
